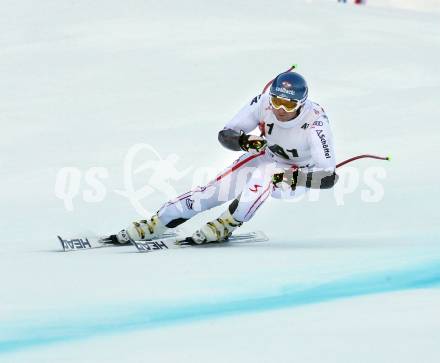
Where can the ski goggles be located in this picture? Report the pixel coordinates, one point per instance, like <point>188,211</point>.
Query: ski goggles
<point>284,103</point>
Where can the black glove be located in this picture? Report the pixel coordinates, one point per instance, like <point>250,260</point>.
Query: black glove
<point>290,177</point>
<point>252,143</point>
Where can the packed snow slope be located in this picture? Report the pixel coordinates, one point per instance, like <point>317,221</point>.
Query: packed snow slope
<point>350,275</point>
<point>419,5</point>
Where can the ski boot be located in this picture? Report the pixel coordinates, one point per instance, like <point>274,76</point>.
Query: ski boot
<point>217,230</point>
<point>138,231</point>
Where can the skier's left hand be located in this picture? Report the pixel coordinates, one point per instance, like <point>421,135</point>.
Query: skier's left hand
<point>289,177</point>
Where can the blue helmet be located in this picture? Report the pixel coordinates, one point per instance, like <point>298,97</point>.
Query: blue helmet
<point>291,86</point>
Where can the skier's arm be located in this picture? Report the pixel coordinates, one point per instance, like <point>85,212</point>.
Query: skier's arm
<point>322,175</point>
<point>234,135</point>
<point>318,179</point>
<point>230,139</point>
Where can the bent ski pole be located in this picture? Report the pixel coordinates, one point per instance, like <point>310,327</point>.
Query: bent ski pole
<point>362,157</point>
<point>270,82</point>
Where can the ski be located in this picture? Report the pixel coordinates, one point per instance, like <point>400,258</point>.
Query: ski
<point>178,242</point>
<point>89,243</point>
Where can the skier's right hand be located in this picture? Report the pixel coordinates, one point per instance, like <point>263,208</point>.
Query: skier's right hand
<point>252,143</point>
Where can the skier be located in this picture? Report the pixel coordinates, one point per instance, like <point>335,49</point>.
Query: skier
<point>293,154</point>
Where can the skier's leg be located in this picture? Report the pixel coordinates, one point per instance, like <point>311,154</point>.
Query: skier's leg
<point>255,192</point>
<point>281,192</point>
<point>226,186</point>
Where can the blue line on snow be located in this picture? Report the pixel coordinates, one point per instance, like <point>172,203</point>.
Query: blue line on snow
<point>143,316</point>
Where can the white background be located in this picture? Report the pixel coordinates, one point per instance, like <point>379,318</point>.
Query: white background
<point>82,82</point>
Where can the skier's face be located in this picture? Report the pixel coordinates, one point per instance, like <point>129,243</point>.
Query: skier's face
<point>284,116</point>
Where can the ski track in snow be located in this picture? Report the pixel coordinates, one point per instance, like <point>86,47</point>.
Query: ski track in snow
<point>130,318</point>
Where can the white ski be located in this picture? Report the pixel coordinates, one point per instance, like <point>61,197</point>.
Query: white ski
<point>88,243</point>
<point>179,242</point>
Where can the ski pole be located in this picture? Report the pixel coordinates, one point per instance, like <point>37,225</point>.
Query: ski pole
<point>362,157</point>
<point>270,82</point>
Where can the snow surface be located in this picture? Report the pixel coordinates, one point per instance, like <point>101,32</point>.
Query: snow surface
<point>419,5</point>
<point>82,82</point>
